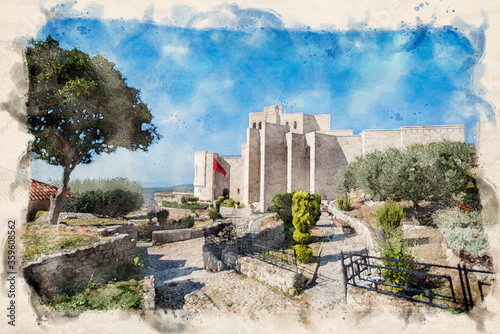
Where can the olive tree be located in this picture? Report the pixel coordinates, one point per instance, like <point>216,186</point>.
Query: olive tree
<point>79,107</point>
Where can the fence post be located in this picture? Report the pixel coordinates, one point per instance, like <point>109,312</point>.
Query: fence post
<point>471,301</point>
<point>463,287</point>
<point>344,275</point>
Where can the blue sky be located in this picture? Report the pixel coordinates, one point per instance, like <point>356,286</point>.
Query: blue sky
<point>200,84</point>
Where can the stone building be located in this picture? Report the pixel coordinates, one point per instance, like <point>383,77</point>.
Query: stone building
<point>293,151</point>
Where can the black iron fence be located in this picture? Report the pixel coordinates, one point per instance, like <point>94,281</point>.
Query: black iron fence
<point>431,284</point>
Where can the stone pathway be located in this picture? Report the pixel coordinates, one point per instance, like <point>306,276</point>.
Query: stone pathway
<point>328,291</point>
<point>182,282</point>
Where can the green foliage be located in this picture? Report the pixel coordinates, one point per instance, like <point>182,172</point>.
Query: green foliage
<point>151,214</point>
<point>213,214</point>
<point>389,217</point>
<point>38,214</point>
<point>79,107</point>
<point>434,172</point>
<point>304,214</point>
<point>81,186</point>
<point>189,198</point>
<point>112,203</point>
<point>143,231</point>
<point>231,203</point>
<point>343,202</point>
<point>162,216</point>
<point>113,295</point>
<point>463,231</point>
<point>396,248</point>
<point>315,209</point>
<point>303,253</point>
<point>281,203</point>
<point>185,222</point>
<point>221,199</point>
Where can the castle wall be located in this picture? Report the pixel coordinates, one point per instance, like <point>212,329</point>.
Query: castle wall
<point>251,167</point>
<point>326,158</point>
<point>297,162</point>
<point>380,139</point>
<point>204,175</point>
<point>427,134</point>
<point>273,176</point>
<point>352,146</point>
<point>234,176</point>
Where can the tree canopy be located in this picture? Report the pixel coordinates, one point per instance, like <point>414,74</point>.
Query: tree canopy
<point>435,172</point>
<point>79,107</point>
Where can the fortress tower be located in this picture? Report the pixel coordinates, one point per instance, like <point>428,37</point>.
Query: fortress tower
<point>293,151</point>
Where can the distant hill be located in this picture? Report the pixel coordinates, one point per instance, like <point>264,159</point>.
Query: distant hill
<point>149,192</point>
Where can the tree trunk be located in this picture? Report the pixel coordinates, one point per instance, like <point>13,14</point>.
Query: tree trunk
<point>56,202</point>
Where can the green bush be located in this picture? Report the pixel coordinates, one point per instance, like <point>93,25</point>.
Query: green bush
<point>343,202</point>
<point>189,198</point>
<point>472,241</point>
<point>185,222</point>
<point>389,217</point>
<point>301,237</point>
<point>112,203</point>
<point>231,203</point>
<point>213,214</point>
<point>162,216</point>
<point>396,248</point>
<point>221,199</point>
<point>303,253</point>
<point>151,214</point>
<point>38,214</point>
<point>304,214</point>
<point>281,203</point>
<point>463,231</point>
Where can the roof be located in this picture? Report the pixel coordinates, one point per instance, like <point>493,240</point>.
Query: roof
<point>40,191</point>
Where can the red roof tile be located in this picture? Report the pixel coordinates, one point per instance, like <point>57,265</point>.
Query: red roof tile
<point>40,190</point>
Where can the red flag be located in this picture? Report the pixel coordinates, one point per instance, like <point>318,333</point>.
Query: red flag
<point>218,168</point>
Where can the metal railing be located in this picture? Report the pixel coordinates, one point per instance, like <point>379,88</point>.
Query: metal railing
<point>431,284</point>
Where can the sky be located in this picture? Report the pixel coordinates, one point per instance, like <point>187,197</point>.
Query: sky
<point>201,83</point>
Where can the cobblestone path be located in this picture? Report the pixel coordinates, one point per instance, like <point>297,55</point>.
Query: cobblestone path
<point>328,291</point>
<point>182,282</point>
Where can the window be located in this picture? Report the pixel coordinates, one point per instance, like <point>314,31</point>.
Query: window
<point>260,125</point>
<point>254,125</point>
<point>294,125</point>
<point>238,190</point>
<point>286,123</point>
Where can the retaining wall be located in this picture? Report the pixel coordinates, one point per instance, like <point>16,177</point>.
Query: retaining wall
<point>50,275</point>
<point>362,228</point>
<point>279,277</point>
<point>168,236</point>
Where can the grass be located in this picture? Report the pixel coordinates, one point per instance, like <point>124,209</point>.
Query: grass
<point>117,287</point>
<point>43,238</point>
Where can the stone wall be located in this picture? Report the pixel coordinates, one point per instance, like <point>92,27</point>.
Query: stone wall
<point>297,162</point>
<point>362,228</point>
<point>126,228</point>
<point>251,170</point>
<point>273,163</point>
<point>279,277</point>
<point>51,274</point>
<point>169,197</point>
<point>168,236</point>
<point>177,213</point>
<point>234,177</point>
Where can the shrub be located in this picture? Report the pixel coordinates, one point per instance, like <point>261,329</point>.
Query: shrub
<point>112,203</point>
<point>343,202</point>
<point>303,253</point>
<point>38,214</point>
<point>389,217</point>
<point>185,222</point>
<point>190,206</point>
<point>282,205</point>
<point>162,216</point>
<point>221,199</point>
<point>213,214</point>
<point>189,198</point>
<point>472,241</point>
<point>143,231</point>
<point>304,215</point>
<point>396,248</point>
<point>230,203</point>
<point>463,231</point>
<point>151,214</point>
